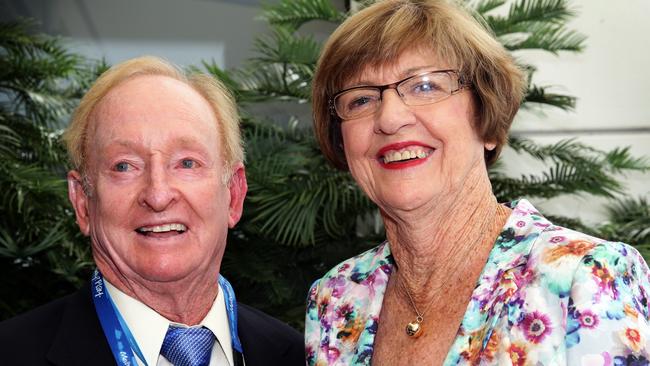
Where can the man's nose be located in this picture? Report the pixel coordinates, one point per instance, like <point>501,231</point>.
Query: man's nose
<point>159,192</point>
<point>393,113</point>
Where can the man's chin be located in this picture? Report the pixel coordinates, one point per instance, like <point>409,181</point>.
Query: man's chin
<point>154,276</point>
<point>168,273</point>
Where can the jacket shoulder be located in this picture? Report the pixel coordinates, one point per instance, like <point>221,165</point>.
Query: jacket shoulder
<point>27,338</point>
<point>268,341</point>
<point>65,331</point>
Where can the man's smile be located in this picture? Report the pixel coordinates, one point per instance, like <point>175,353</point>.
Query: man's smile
<point>157,230</point>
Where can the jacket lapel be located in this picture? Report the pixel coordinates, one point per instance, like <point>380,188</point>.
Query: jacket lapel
<point>267,341</point>
<point>80,339</point>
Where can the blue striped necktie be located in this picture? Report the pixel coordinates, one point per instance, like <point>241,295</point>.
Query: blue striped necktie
<point>188,346</point>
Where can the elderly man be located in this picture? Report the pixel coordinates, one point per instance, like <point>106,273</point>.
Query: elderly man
<point>158,181</point>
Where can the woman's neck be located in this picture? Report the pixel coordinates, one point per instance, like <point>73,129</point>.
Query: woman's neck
<point>440,246</point>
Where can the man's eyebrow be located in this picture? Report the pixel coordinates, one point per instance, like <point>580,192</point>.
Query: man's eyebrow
<point>186,142</point>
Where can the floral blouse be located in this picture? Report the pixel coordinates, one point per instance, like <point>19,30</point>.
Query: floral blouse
<point>546,296</point>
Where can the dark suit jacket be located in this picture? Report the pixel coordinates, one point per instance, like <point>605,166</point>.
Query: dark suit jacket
<point>67,332</point>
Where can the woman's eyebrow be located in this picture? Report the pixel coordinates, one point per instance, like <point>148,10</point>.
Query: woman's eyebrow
<point>402,75</point>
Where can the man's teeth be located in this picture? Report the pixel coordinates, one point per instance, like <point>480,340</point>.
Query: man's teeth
<point>392,156</point>
<point>162,228</point>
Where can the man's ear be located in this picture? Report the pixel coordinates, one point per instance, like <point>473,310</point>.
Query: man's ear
<point>238,188</point>
<point>79,200</point>
<point>489,146</point>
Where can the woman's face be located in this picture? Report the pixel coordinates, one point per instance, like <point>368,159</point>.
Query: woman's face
<point>440,136</point>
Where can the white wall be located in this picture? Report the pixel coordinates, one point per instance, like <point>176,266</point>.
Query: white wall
<point>612,83</point>
<point>183,31</point>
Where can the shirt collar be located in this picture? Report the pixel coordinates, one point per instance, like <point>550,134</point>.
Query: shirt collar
<point>149,328</point>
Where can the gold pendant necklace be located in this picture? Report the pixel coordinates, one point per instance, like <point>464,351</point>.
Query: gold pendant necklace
<point>414,328</point>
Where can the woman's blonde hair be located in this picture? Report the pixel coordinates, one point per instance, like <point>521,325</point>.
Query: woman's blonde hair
<point>217,95</point>
<point>380,33</point>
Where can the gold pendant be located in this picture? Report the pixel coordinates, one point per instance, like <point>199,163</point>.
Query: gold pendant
<point>414,329</point>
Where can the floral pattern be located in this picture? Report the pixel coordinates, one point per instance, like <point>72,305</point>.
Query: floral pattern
<point>546,296</point>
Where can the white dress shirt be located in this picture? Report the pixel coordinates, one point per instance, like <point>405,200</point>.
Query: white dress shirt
<point>149,328</point>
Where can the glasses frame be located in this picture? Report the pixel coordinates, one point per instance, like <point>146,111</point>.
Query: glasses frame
<point>462,84</point>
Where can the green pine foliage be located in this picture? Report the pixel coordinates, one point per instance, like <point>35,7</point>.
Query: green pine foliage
<point>41,253</point>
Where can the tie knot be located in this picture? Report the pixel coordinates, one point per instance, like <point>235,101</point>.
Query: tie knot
<point>188,346</point>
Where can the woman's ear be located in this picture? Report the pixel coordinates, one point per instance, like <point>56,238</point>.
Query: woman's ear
<point>489,146</point>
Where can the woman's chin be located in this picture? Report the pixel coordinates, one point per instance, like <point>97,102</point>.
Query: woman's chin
<point>405,201</point>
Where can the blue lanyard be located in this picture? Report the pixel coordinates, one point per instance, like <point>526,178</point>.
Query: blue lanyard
<point>119,337</point>
<point>231,310</point>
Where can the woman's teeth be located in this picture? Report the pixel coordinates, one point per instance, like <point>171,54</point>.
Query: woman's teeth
<point>393,156</point>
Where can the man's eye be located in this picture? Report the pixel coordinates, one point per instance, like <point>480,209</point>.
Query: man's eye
<point>121,166</point>
<point>188,163</point>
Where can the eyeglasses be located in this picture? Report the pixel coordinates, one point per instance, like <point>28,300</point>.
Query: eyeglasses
<point>421,89</point>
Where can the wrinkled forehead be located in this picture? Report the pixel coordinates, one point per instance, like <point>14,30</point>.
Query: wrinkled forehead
<point>150,100</point>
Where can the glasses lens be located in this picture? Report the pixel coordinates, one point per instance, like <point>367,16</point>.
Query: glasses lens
<point>426,88</point>
<point>357,103</point>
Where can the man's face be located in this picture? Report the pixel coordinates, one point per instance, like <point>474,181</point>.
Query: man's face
<point>157,209</point>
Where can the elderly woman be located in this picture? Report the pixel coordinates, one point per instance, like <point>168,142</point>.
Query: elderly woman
<point>415,98</point>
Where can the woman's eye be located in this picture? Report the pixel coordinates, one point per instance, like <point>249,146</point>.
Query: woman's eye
<point>188,163</point>
<point>362,102</point>
<point>121,166</point>
<point>359,102</point>
<point>425,87</point>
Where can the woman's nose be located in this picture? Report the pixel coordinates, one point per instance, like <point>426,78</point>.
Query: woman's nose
<point>393,113</point>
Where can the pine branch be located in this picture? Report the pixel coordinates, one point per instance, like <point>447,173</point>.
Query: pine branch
<point>564,151</point>
<point>294,13</point>
<point>548,37</point>
<point>570,151</point>
<point>524,13</point>
<point>9,141</point>
<point>278,82</point>
<point>35,144</point>
<point>30,190</point>
<point>10,248</point>
<point>232,81</point>
<point>620,159</point>
<point>38,77</point>
<point>533,24</point>
<point>284,47</point>
<point>558,179</point>
<point>482,7</point>
<point>16,37</point>
<point>629,221</point>
<point>295,197</point>
<point>540,96</point>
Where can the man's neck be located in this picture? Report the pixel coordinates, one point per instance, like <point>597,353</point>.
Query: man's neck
<point>185,301</point>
